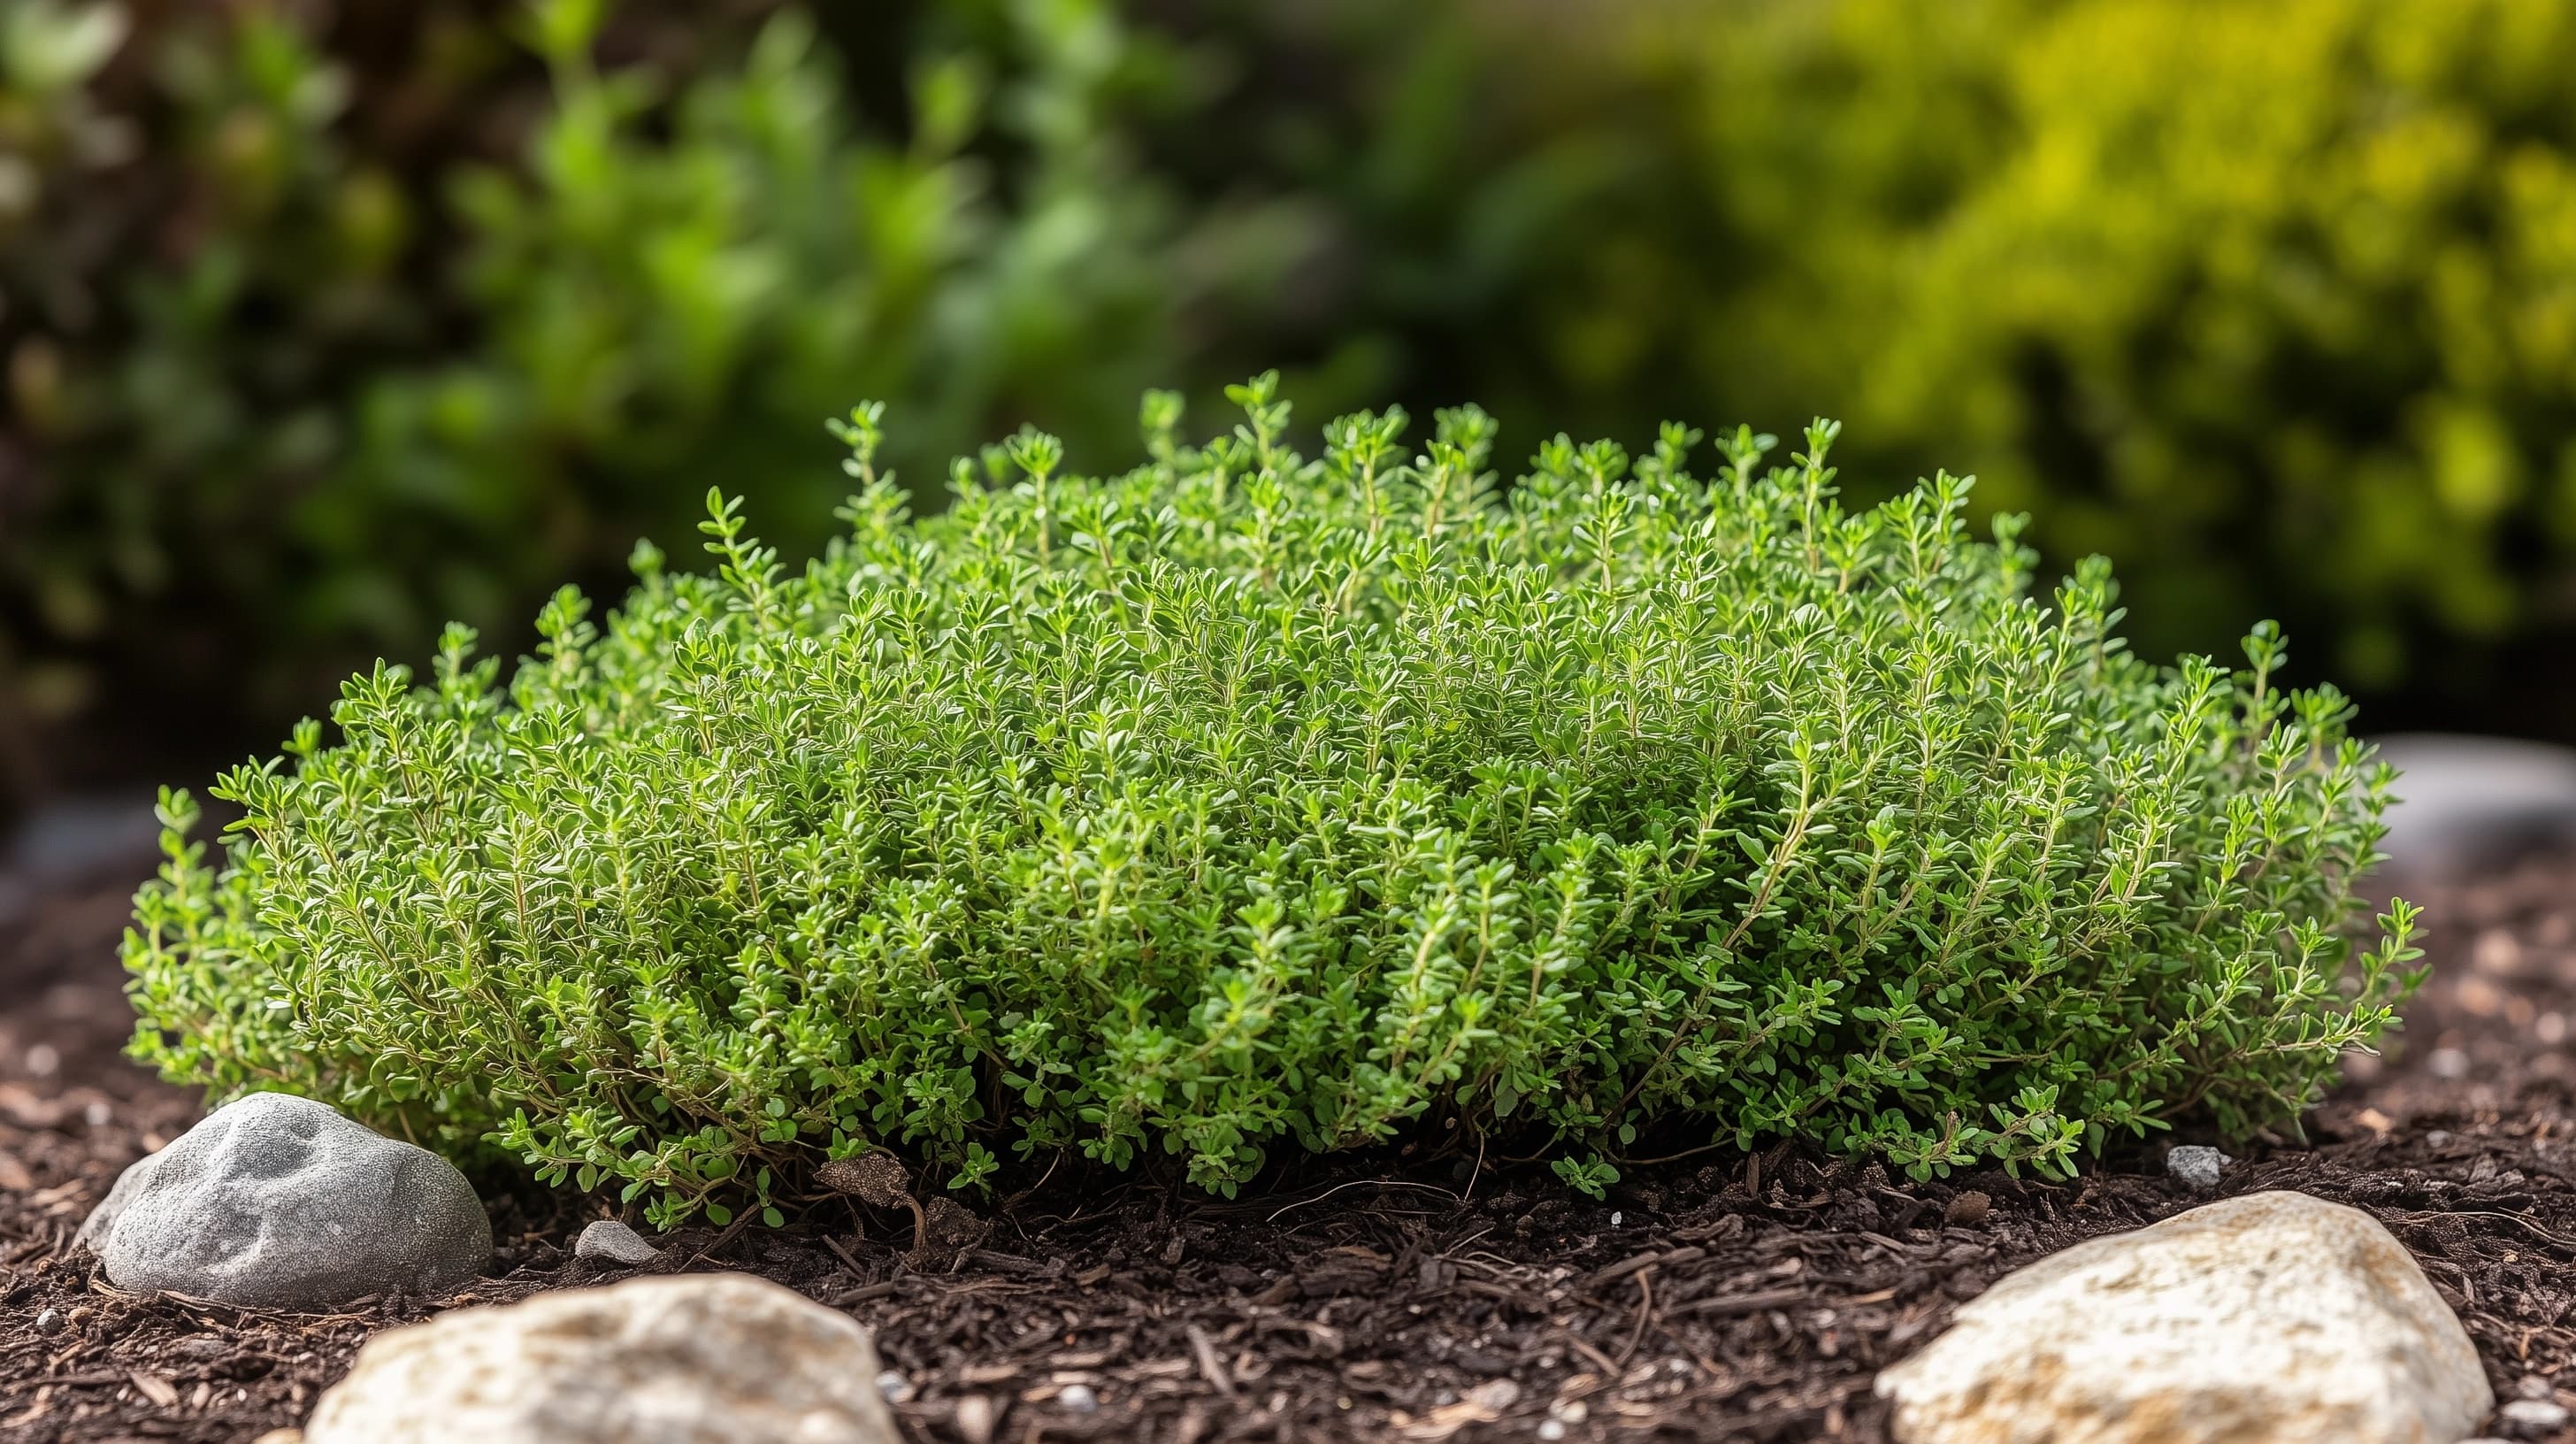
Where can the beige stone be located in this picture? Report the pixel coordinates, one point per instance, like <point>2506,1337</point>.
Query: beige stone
<point>693,1359</point>
<point>2256,1320</point>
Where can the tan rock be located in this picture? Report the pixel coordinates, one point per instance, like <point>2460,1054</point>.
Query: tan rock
<point>691,1359</point>
<point>2270,1317</point>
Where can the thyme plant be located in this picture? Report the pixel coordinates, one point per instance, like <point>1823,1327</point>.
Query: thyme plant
<point>1247,801</point>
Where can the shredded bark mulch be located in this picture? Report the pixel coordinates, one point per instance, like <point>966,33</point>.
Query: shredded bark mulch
<point>1725,1297</point>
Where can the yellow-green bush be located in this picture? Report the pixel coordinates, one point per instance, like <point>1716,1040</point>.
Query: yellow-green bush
<point>2276,300</point>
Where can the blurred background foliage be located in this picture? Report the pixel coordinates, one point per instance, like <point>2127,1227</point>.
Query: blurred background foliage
<point>2273,302</point>
<point>325,322</point>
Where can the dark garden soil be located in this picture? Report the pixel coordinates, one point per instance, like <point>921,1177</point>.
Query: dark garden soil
<point>1718,1298</point>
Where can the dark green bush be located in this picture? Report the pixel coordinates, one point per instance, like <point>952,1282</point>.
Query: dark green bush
<point>324,323</point>
<point>1244,802</point>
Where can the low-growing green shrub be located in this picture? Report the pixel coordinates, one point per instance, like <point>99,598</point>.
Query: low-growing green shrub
<point>1244,800</point>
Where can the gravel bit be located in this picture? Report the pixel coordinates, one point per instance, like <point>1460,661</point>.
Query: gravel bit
<point>2196,1165</point>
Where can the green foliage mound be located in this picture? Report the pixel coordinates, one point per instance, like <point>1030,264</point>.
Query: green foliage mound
<point>1245,801</point>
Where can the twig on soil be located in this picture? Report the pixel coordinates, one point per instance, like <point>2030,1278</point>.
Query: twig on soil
<point>731,1231</point>
<point>1645,1313</point>
<point>1361,1183</point>
<point>2566,1243</point>
<point>834,1245</point>
<point>865,1292</point>
<point>1639,1262</point>
<point>1743,1303</point>
<point>1609,1367</point>
<point>1210,1366</point>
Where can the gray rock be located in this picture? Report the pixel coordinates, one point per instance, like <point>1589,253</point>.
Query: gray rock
<point>276,1201</point>
<point>608,1241</point>
<point>2467,802</point>
<point>2196,1165</point>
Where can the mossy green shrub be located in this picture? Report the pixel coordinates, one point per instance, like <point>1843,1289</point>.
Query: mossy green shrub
<point>1244,802</point>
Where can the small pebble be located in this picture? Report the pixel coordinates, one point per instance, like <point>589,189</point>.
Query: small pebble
<point>2533,1416</point>
<point>1550,1429</point>
<point>1615,1217</point>
<point>1967,1210</point>
<point>894,1386</point>
<point>608,1241</point>
<point>2196,1165</point>
<point>2533,1386</point>
<point>1078,1398</point>
<point>47,1321</point>
<point>2447,1063</point>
